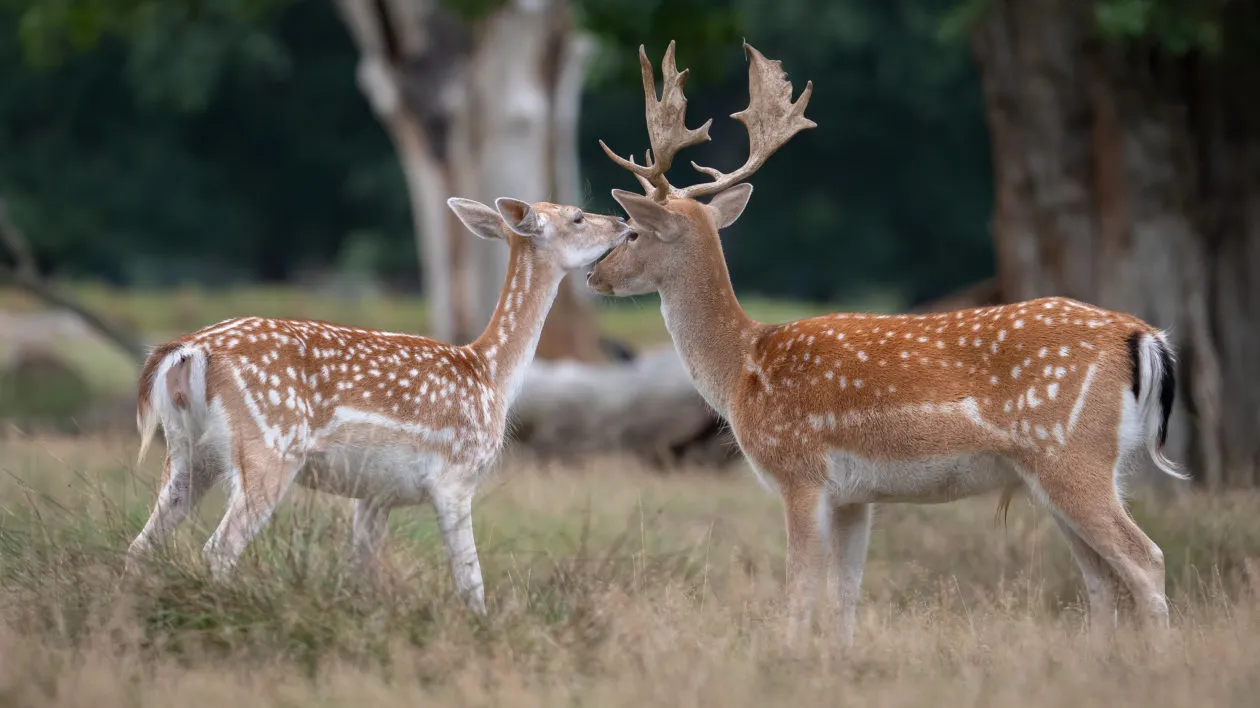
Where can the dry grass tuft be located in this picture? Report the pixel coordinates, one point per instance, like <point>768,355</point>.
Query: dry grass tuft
<point>606,585</point>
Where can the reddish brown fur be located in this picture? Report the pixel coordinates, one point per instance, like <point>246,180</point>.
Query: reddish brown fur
<point>1008,380</point>
<point>844,410</point>
<point>313,365</point>
<point>1024,364</point>
<point>389,419</point>
<point>297,372</point>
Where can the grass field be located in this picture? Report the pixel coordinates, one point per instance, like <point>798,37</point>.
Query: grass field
<point>607,585</point>
<point>161,314</point>
<point>183,309</point>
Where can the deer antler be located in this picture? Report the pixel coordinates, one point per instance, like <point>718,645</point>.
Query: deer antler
<point>771,119</point>
<point>666,123</point>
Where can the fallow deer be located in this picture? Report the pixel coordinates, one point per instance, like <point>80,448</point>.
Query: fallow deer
<point>842,411</point>
<point>385,418</point>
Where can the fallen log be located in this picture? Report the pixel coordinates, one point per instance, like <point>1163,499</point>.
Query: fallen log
<point>646,407</point>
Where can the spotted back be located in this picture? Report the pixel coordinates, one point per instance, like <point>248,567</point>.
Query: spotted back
<point>1019,373</point>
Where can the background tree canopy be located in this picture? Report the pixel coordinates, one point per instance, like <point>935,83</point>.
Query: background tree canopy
<point>226,140</point>
<point>1107,151</point>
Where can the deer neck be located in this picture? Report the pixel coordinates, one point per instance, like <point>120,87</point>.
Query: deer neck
<point>710,330</point>
<point>511,337</point>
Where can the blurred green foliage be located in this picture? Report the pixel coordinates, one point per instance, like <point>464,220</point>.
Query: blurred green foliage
<point>1178,26</point>
<point>155,142</point>
<point>165,141</point>
<point>195,144</point>
<point>197,34</point>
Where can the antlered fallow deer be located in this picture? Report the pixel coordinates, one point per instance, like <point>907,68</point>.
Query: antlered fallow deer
<point>842,411</point>
<point>387,419</point>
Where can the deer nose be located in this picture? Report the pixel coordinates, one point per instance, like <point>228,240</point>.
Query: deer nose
<point>594,284</point>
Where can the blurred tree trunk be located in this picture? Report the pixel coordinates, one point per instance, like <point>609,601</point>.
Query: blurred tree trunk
<point>1130,178</point>
<point>481,109</point>
<point>489,109</point>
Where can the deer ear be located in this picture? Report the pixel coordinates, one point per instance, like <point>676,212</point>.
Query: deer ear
<point>480,219</point>
<point>728,204</point>
<point>519,216</point>
<point>649,216</point>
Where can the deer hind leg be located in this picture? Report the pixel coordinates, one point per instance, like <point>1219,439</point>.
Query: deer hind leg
<point>1101,583</point>
<point>184,484</point>
<point>261,477</point>
<point>1090,505</point>
<point>454,517</point>
<point>371,522</point>
<point>850,529</point>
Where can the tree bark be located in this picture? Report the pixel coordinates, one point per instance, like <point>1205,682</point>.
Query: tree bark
<point>571,330</point>
<point>484,110</point>
<point>490,110</point>
<point>1109,191</point>
<point>410,55</point>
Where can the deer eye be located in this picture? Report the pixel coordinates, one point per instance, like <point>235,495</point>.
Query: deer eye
<point>578,217</point>
<point>632,237</point>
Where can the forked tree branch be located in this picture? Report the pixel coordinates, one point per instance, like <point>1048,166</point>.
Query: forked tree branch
<point>20,269</point>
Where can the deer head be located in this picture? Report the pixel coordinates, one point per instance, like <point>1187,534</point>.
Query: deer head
<point>670,228</point>
<point>563,234</point>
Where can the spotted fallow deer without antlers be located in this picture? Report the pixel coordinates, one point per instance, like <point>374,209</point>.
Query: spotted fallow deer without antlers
<point>388,419</point>
<point>842,411</point>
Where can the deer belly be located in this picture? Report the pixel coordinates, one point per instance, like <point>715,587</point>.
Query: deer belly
<point>402,473</point>
<point>934,480</point>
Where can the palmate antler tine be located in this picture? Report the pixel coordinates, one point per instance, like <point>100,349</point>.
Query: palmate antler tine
<point>771,119</point>
<point>667,121</point>
<point>666,124</point>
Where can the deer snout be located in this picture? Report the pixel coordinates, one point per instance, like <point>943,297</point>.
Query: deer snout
<point>596,282</point>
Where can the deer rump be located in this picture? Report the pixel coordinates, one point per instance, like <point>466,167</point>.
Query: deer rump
<point>182,390</point>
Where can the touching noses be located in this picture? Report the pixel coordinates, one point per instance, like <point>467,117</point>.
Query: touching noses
<point>593,279</point>
<point>594,282</point>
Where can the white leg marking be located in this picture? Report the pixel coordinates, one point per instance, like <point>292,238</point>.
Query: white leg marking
<point>454,515</point>
<point>850,531</point>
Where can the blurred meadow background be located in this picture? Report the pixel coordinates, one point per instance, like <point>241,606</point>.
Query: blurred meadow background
<point>166,164</point>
